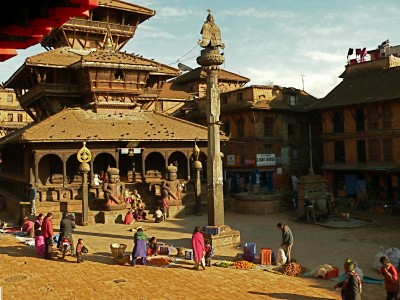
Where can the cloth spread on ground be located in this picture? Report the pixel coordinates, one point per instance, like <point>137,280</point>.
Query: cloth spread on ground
<point>341,277</point>
<point>366,279</point>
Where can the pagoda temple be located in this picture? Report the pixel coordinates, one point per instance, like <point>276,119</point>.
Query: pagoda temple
<point>84,89</point>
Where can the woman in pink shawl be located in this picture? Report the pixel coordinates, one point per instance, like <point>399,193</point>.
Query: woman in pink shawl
<point>39,239</point>
<point>199,248</point>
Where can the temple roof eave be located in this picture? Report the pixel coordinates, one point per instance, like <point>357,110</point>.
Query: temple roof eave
<point>113,66</point>
<point>76,125</point>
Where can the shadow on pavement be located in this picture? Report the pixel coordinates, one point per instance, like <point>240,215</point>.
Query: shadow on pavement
<point>289,296</point>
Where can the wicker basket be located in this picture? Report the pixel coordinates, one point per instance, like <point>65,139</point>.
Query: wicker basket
<point>117,250</point>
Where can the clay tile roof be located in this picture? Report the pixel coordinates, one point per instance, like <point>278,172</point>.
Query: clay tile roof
<point>60,57</point>
<point>65,57</point>
<point>76,124</point>
<point>121,5</point>
<point>372,86</point>
<point>170,90</point>
<point>199,74</point>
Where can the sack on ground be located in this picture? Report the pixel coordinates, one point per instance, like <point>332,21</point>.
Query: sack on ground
<point>376,264</point>
<point>359,271</point>
<point>394,255</point>
<point>280,257</point>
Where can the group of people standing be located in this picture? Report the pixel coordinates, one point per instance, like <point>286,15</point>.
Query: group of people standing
<point>43,232</point>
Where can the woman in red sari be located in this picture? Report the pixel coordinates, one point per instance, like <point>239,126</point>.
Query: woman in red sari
<point>129,219</point>
<point>199,248</point>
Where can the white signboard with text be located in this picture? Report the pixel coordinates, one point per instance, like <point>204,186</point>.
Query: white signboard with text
<point>265,160</point>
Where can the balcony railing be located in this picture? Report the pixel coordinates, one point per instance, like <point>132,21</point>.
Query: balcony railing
<point>49,89</point>
<point>104,26</point>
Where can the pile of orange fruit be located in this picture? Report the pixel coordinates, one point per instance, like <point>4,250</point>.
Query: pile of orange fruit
<point>244,265</point>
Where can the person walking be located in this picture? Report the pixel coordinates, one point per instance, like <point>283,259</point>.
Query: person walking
<point>67,226</point>
<point>140,248</point>
<point>351,285</point>
<point>287,241</point>
<point>47,232</point>
<point>39,239</point>
<point>391,278</point>
<point>32,198</point>
<point>199,248</point>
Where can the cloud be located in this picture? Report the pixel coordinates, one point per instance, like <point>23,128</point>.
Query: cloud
<point>321,56</point>
<point>169,12</point>
<point>317,84</point>
<point>260,14</point>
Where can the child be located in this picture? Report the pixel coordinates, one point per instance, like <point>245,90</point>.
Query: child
<point>158,215</point>
<point>153,247</point>
<point>209,253</point>
<point>79,248</point>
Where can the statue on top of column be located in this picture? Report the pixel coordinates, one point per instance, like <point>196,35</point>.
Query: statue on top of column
<point>114,190</point>
<point>211,35</point>
<point>172,186</point>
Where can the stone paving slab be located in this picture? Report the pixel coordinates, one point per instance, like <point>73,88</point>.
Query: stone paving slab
<point>24,275</point>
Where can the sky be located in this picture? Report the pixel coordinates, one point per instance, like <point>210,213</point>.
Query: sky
<point>290,43</point>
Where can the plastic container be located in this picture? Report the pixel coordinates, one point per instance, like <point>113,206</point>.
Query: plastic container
<point>249,252</point>
<point>189,254</point>
<point>266,256</point>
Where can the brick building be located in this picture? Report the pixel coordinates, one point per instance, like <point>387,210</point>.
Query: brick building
<point>268,127</point>
<point>12,116</point>
<point>360,129</point>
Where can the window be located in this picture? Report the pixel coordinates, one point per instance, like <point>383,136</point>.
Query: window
<point>386,117</point>
<point>239,97</point>
<point>269,149</point>
<point>339,152</point>
<point>338,121</point>
<point>387,150</point>
<point>361,152</point>
<point>227,128</point>
<point>240,127</point>
<point>19,117</point>
<point>119,75</point>
<point>360,119</point>
<point>268,126</point>
<point>374,150</point>
<point>292,100</point>
<point>290,129</point>
<point>373,118</point>
<point>10,98</point>
<point>10,117</point>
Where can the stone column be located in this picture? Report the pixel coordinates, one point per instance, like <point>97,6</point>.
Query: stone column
<point>210,59</point>
<point>84,156</point>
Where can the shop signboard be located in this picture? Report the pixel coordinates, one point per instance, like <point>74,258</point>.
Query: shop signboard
<point>265,160</point>
<point>230,160</point>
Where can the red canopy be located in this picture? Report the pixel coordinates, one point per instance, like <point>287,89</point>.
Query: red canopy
<point>21,32</point>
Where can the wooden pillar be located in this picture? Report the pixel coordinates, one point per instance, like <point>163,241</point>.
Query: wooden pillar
<point>64,171</point>
<point>188,156</point>
<point>143,167</point>
<point>35,162</point>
